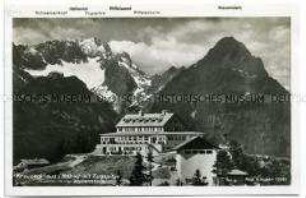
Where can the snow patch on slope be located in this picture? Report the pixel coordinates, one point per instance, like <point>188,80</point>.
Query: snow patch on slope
<point>142,81</point>
<point>89,46</point>
<point>142,84</point>
<point>89,72</point>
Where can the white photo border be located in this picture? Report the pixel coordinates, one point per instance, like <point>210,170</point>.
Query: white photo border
<point>177,9</point>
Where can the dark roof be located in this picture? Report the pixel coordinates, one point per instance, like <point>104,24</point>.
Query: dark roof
<point>145,119</point>
<point>195,143</point>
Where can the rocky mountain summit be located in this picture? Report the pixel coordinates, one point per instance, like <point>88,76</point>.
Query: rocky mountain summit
<point>234,95</point>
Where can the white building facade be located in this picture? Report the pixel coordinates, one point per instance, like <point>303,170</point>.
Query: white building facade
<point>196,154</point>
<point>155,132</point>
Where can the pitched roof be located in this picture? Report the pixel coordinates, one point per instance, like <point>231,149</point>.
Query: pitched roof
<point>237,172</point>
<point>195,143</point>
<point>147,119</point>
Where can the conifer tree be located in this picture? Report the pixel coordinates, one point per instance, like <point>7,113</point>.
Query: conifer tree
<point>223,164</point>
<point>150,159</point>
<point>119,178</point>
<point>137,177</point>
<point>198,180</point>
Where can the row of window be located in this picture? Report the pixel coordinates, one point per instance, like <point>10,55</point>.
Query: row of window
<point>133,139</point>
<point>144,138</point>
<point>177,138</point>
<point>145,120</point>
<point>122,129</point>
<point>126,142</point>
<point>198,151</point>
<point>112,149</point>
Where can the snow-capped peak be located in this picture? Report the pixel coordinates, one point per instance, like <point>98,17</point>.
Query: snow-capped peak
<point>32,51</point>
<point>89,72</point>
<point>95,47</point>
<point>106,73</point>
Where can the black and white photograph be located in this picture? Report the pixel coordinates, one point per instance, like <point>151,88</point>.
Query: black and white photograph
<point>194,101</point>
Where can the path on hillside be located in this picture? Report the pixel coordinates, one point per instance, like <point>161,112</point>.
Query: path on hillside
<point>78,159</point>
<point>60,166</point>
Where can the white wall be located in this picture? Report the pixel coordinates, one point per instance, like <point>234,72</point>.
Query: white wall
<point>115,147</point>
<point>187,164</point>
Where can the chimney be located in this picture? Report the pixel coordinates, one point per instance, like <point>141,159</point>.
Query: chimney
<point>164,112</point>
<point>141,113</point>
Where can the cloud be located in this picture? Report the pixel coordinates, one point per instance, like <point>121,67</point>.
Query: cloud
<point>158,43</point>
<point>27,35</point>
<point>159,55</point>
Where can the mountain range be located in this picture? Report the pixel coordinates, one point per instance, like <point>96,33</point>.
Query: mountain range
<point>90,67</point>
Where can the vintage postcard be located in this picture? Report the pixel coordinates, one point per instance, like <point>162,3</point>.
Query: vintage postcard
<point>111,100</point>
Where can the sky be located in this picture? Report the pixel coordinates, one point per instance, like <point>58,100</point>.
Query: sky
<point>155,44</point>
